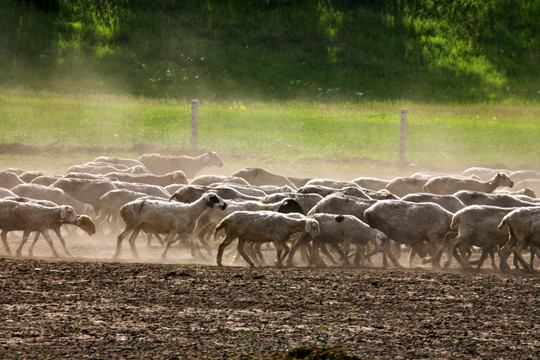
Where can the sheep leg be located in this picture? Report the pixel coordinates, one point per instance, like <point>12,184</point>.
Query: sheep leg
<point>258,253</point>
<point>31,248</point>
<point>242,252</point>
<point>119,240</point>
<point>387,250</point>
<point>517,253</point>
<point>132,242</point>
<point>24,240</point>
<point>341,253</point>
<point>505,251</point>
<point>62,241</point>
<point>286,251</point>
<point>222,245</point>
<point>47,237</point>
<point>327,253</point>
<point>302,240</point>
<point>169,241</point>
<point>4,241</point>
<point>485,252</point>
<point>315,257</point>
<point>463,247</point>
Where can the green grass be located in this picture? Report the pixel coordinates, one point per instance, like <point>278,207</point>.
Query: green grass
<point>287,135</point>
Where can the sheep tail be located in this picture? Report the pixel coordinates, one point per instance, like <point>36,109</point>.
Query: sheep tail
<point>455,222</point>
<point>219,226</point>
<point>503,223</point>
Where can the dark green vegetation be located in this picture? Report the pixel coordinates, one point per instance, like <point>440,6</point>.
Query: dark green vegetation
<point>418,50</point>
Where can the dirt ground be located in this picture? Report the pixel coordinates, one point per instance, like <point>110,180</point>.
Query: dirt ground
<point>89,307</point>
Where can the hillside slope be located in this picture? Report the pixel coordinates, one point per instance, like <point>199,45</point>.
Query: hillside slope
<point>423,50</point>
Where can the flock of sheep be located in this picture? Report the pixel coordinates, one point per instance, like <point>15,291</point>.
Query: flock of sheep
<point>495,211</point>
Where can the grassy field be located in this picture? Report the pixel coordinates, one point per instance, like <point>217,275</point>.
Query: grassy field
<point>287,136</point>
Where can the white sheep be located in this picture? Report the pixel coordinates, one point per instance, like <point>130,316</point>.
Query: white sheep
<point>150,190</point>
<point>422,226</point>
<point>260,227</point>
<point>206,180</point>
<point>449,202</point>
<point>477,225</point>
<point>371,183</point>
<point>161,217</point>
<point>111,202</point>
<point>340,229</point>
<point>190,193</point>
<point>29,217</point>
<point>116,160</point>
<point>448,185</point>
<point>175,177</point>
<point>325,191</point>
<point>524,231</point>
<point>56,195</point>
<point>340,203</point>
<point>331,183</point>
<point>191,166</point>
<point>86,190</point>
<point>402,186</point>
<point>258,177</point>
<point>9,179</point>
<point>482,198</point>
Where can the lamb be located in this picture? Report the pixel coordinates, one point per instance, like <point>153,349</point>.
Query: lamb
<point>484,173</point>
<point>447,185</point>
<point>206,180</point>
<point>306,201</point>
<point>525,192</point>
<point>481,198</point>
<point>449,202</point>
<point>335,229</point>
<point>422,226</point>
<point>86,190</point>
<point>9,180</point>
<point>150,190</point>
<point>258,177</point>
<point>524,231</point>
<point>29,217</point>
<point>325,191</point>
<point>371,183</point>
<point>160,217</point>
<point>176,177</point>
<point>402,186</point>
<point>190,193</point>
<point>191,166</point>
<point>477,225</point>
<point>111,202</point>
<point>56,195</point>
<point>260,227</point>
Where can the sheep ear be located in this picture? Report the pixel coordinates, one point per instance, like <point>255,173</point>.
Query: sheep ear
<point>494,179</point>
<point>63,212</point>
<point>206,157</point>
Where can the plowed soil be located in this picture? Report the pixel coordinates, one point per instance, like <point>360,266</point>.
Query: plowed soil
<point>89,307</point>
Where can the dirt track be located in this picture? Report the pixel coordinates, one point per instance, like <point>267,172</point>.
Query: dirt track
<point>114,310</point>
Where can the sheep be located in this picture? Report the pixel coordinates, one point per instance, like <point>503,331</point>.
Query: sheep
<point>402,186</point>
<point>160,217</point>
<point>81,175</point>
<point>422,226</point>
<point>273,189</point>
<point>532,184</point>
<point>111,202</point>
<point>306,201</point>
<point>339,203</point>
<point>248,190</point>
<point>29,217</point>
<point>86,190</point>
<point>206,180</point>
<point>191,166</point>
<point>258,177</point>
<point>484,173</point>
<point>325,191</point>
<point>6,193</point>
<point>56,195</point>
<point>335,184</point>
<point>520,175</point>
<point>116,160</point>
<point>176,177</point>
<point>28,176</point>
<point>9,180</point>
<point>447,185</point>
<point>371,183</point>
<point>449,202</point>
<point>524,231</point>
<point>477,225</point>
<point>150,190</point>
<point>97,168</point>
<point>190,193</point>
<point>45,180</point>
<point>525,191</point>
<point>336,229</point>
<point>260,227</point>
<point>171,189</point>
<point>84,222</point>
<point>298,182</point>
<point>482,198</point>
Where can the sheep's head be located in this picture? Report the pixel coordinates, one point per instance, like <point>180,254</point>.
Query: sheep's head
<point>85,223</point>
<point>380,238</point>
<point>501,179</point>
<point>68,215</point>
<point>212,199</point>
<point>212,158</point>
<point>312,228</point>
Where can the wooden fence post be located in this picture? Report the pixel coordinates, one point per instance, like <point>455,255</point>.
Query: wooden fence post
<point>194,126</point>
<point>403,138</point>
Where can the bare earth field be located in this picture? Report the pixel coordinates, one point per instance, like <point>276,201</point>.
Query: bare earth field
<point>89,307</point>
